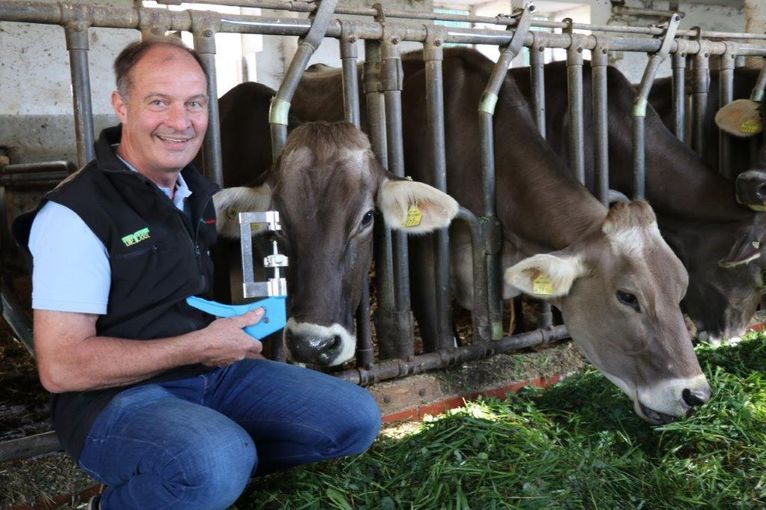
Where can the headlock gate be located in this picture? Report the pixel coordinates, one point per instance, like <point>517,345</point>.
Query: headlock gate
<point>383,31</point>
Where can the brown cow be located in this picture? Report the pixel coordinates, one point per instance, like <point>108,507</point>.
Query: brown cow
<point>326,186</point>
<point>615,280</point>
<point>697,213</point>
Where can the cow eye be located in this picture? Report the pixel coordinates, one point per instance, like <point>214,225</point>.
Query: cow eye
<point>368,217</point>
<point>628,299</point>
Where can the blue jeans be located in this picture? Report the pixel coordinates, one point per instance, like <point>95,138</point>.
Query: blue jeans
<point>195,443</point>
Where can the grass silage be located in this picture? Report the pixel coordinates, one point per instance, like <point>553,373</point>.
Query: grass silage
<point>575,445</point>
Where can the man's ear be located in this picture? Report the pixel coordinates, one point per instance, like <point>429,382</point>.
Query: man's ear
<point>546,275</point>
<point>229,202</point>
<point>415,207</point>
<point>118,104</point>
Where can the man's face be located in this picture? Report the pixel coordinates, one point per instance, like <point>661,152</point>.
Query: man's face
<point>165,115</point>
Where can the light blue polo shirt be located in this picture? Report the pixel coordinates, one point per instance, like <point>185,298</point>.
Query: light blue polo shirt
<point>70,265</point>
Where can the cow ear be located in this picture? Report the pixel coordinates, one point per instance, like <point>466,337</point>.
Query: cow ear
<point>546,275</point>
<point>229,202</point>
<point>415,207</point>
<point>741,118</point>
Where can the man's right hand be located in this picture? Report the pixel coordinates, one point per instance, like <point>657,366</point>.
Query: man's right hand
<point>227,341</point>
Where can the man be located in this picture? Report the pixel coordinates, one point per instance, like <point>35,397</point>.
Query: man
<point>166,406</point>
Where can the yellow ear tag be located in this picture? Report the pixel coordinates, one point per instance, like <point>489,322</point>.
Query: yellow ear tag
<point>413,217</point>
<point>542,285</point>
<point>750,126</point>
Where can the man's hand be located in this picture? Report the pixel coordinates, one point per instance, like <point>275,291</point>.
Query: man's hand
<point>227,340</point>
<point>72,357</point>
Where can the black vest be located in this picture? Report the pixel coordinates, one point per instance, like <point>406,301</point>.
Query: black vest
<point>158,257</point>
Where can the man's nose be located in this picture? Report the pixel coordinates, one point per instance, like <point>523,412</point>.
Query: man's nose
<point>178,117</point>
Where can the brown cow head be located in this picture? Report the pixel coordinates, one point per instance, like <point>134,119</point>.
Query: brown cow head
<point>619,290</point>
<point>327,187</point>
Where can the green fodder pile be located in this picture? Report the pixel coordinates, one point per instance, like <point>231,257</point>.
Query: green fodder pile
<point>576,445</point>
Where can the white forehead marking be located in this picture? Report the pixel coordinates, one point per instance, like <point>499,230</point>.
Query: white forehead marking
<point>633,239</point>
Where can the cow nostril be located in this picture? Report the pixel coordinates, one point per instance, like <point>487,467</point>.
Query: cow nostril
<point>695,398</point>
<point>337,343</point>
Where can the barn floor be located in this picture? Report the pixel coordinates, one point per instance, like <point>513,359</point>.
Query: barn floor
<point>53,481</point>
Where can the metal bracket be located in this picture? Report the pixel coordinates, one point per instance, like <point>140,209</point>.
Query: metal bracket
<point>434,43</point>
<point>276,286</point>
<point>639,107</point>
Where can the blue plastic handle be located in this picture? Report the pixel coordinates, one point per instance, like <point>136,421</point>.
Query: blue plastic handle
<point>274,317</point>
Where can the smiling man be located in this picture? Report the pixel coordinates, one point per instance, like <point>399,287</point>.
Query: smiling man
<point>166,406</point>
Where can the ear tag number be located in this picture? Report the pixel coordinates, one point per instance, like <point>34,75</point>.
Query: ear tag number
<point>413,217</point>
<point>542,285</point>
<point>750,126</point>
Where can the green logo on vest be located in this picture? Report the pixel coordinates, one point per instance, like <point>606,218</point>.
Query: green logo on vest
<point>136,237</point>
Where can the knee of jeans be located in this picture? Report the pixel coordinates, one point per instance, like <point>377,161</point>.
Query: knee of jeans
<point>361,428</point>
<point>214,474</point>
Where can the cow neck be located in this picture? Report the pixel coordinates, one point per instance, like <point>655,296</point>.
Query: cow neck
<point>537,197</point>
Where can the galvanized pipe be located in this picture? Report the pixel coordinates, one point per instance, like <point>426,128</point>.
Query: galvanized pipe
<point>639,107</point>
<point>480,316</point>
<point>433,56</point>
<point>491,225</point>
<point>124,17</point>
<point>77,45</point>
<point>679,95</point>
<point>348,57</point>
<point>575,101</point>
<point>398,368</point>
<point>537,85</point>
<point>701,85</point>
<point>392,85</point>
<point>537,82</point>
<point>280,103</point>
<point>204,43</point>
<point>599,62</point>
<point>725,96</point>
<point>364,350</point>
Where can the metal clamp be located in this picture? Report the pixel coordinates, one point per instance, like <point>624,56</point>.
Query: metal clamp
<point>275,286</point>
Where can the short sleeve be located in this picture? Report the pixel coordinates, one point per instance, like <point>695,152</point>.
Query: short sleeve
<point>70,264</point>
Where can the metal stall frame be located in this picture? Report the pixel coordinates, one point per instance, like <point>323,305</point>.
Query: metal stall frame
<point>382,87</point>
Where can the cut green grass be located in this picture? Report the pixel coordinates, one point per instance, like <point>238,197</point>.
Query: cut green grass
<point>575,445</point>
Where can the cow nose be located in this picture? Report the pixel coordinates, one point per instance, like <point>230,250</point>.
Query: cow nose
<point>313,349</point>
<point>695,398</point>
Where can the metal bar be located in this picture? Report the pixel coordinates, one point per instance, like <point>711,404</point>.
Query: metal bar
<point>599,62</point>
<point>392,84</point>
<point>205,29</point>
<point>77,45</point>
<point>679,95</point>
<point>537,84</point>
<point>280,103</point>
<point>701,85</point>
<point>725,96</point>
<point>419,364</point>
<point>639,107</point>
<point>433,56</point>
<point>575,101</point>
<point>348,56</point>
<point>482,330</point>
<point>384,271</point>
<point>491,227</point>
<point>130,17</point>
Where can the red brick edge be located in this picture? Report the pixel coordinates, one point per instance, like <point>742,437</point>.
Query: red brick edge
<point>417,413</point>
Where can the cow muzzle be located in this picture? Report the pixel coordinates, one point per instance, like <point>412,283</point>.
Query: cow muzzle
<point>313,344</point>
